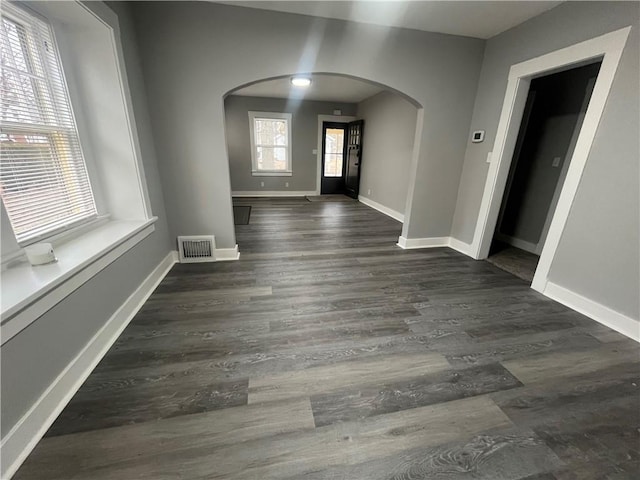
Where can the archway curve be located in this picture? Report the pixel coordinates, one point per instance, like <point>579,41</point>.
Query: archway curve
<point>405,96</point>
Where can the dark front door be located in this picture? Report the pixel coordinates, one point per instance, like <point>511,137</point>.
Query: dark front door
<point>334,136</point>
<point>354,158</point>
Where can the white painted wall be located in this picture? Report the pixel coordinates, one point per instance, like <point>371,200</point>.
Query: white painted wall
<point>389,134</point>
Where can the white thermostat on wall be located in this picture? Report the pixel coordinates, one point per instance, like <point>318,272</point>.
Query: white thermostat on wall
<point>478,136</point>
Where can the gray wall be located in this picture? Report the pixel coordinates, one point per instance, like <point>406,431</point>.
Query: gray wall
<point>598,252</point>
<point>304,132</point>
<point>36,356</point>
<point>389,135</point>
<point>193,54</point>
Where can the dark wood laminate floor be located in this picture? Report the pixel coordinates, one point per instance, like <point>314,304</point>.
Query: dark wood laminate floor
<point>327,352</point>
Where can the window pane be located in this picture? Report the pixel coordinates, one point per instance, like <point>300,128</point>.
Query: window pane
<point>334,139</point>
<point>333,165</point>
<point>272,158</point>
<point>19,86</point>
<point>333,148</point>
<point>270,131</point>
<point>43,177</point>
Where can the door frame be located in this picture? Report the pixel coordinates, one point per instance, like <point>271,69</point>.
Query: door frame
<point>606,47</point>
<point>321,120</point>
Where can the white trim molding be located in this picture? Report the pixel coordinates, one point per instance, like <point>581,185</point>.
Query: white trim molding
<point>226,254</point>
<point>28,292</point>
<point>435,242</point>
<point>381,208</point>
<point>273,193</point>
<point>24,436</point>
<point>221,254</point>
<point>431,242</point>
<point>607,47</point>
<point>594,310</point>
<point>460,246</point>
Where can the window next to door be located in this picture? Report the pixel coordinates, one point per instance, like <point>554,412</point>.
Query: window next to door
<point>270,144</point>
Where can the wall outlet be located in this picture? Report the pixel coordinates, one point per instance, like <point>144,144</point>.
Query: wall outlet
<point>556,161</point>
<point>286,184</point>
<point>262,184</point>
<point>368,191</point>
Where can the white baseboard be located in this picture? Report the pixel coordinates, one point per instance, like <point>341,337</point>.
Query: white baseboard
<point>598,312</point>
<point>222,254</point>
<point>24,436</point>
<point>226,254</point>
<point>274,193</point>
<point>461,246</point>
<point>381,208</point>
<point>431,242</point>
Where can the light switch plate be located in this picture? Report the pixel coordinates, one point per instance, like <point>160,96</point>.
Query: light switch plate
<point>314,151</point>
<point>556,161</point>
<point>489,157</point>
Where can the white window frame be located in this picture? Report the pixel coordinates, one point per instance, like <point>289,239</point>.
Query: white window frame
<point>253,116</point>
<point>59,98</point>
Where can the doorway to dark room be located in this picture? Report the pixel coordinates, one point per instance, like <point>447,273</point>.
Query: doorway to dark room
<point>552,119</point>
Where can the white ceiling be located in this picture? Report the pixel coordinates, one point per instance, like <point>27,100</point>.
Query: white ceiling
<point>479,19</point>
<point>327,88</point>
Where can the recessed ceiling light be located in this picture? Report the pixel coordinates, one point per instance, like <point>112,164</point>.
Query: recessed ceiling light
<point>300,81</point>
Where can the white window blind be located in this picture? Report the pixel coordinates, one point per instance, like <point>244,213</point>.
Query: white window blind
<point>43,178</point>
<point>270,142</point>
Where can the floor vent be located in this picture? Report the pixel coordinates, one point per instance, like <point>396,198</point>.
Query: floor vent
<point>193,249</point>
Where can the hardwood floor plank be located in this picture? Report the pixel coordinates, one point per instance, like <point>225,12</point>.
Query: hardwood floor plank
<point>83,455</point>
<point>514,348</point>
<point>327,378</point>
<point>564,364</point>
<point>90,410</point>
<point>374,399</point>
<point>505,454</point>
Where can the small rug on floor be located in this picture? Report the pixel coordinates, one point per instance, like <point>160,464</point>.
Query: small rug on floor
<point>329,198</point>
<point>241,214</point>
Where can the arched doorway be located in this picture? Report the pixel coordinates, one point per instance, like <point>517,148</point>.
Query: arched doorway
<point>340,135</point>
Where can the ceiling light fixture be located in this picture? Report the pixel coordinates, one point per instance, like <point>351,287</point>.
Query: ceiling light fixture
<point>300,81</point>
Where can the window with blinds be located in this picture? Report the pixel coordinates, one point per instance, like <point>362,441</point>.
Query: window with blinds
<point>43,178</point>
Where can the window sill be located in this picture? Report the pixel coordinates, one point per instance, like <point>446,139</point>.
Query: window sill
<point>27,292</point>
<point>272,174</point>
